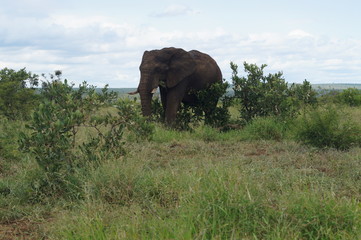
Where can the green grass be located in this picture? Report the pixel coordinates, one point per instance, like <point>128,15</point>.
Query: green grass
<point>328,127</point>
<point>219,190</point>
<point>252,183</point>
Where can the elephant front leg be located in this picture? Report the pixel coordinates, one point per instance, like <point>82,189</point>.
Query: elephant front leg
<point>171,112</point>
<point>173,100</point>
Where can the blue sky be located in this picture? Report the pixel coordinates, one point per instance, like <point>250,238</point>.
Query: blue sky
<point>103,41</point>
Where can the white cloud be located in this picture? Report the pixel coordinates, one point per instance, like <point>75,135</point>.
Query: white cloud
<point>297,34</point>
<point>101,51</point>
<point>175,10</point>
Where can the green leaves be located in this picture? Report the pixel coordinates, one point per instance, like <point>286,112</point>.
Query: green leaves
<point>206,108</point>
<point>351,97</point>
<point>16,98</point>
<point>215,115</point>
<point>73,126</point>
<point>262,95</point>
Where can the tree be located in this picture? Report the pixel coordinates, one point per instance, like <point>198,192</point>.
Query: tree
<point>17,93</point>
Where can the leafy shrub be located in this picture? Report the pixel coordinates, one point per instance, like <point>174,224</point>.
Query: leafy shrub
<point>328,96</point>
<point>206,108</point>
<point>129,112</point>
<point>16,99</point>
<point>270,95</point>
<point>187,118</point>
<point>350,96</point>
<point>64,113</point>
<point>324,127</point>
<point>157,110</point>
<point>9,152</point>
<point>303,93</point>
<point>215,115</point>
<point>8,139</point>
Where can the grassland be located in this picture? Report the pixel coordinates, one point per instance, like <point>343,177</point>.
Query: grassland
<point>190,185</point>
<point>336,86</point>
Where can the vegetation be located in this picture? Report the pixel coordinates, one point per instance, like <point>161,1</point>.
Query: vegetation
<point>270,95</point>
<point>350,96</point>
<point>90,167</point>
<point>207,109</point>
<point>17,93</point>
<point>326,127</point>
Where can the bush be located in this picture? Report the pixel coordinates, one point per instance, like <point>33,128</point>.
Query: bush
<point>215,115</point>
<point>206,108</point>
<point>54,139</point>
<point>270,95</point>
<point>129,112</point>
<point>10,157</point>
<point>303,93</point>
<point>350,96</point>
<point>324,128</point>
<point>8,140</point>
<point>16,99</point>
<point>328,96</point>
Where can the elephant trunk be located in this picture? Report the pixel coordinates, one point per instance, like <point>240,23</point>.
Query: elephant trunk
<point>146,99</point>
<point>146,94</point>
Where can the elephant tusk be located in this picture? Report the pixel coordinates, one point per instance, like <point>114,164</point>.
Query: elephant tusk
<point>154,90</point>
<point>133,93</point>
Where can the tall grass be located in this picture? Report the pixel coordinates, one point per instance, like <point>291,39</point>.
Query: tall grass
<point>214,202</point>
<point>327,127</point>
<point>250,183</point>
<point>193,188</point>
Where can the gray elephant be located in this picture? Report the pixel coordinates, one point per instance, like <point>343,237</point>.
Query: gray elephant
<point>176,72</point>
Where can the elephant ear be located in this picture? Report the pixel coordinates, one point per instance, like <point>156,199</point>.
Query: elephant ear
<point>181,66</point>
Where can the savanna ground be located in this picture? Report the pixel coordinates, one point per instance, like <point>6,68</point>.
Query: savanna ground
<point>203,184</point>
<point>86,165</point>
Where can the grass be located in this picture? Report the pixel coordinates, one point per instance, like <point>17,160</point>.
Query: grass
<point>194,185</point>
<point>194,189</point>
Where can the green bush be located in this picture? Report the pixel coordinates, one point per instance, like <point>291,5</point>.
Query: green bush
<point>186,118</point>
<point>129,112</point>
<point>16,98</point>
<point>215,114</point>
<point>10,157</point>
<point>262,95</point>
<point>206,108</point>
<point>350,96</point>
<point>325,128</point>
<point>328,96</point>
<point>8,139</point>
<point>303,94</point>
<point>64,114</point>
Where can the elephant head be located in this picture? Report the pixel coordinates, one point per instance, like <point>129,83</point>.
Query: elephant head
<point>166,68</point>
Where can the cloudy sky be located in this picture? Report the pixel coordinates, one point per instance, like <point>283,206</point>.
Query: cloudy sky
<point>103,41</point>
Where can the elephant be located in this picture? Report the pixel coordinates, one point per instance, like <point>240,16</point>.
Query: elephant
<point>178,74</point>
